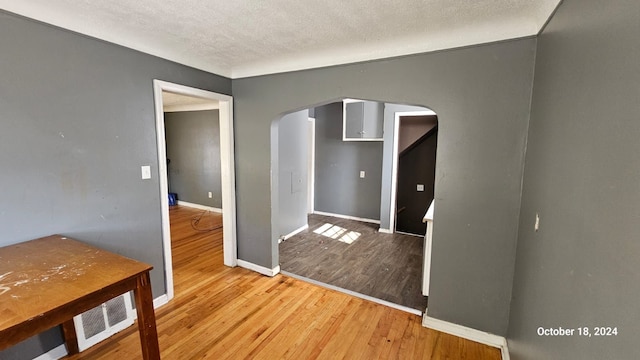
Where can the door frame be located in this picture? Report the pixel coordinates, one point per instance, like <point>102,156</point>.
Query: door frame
<point>394,161</point>
<point>227,167</point>
<point>311,165</point>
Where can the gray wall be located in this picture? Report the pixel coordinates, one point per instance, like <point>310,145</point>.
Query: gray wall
<point>193,145</point>
<point>291,146</point>
<point>481,95</point>
<point>582,177</point>
<point>78,121</point>
<point>338,186</point>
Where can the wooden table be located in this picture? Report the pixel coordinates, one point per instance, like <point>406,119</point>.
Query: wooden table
<point>45,282</point>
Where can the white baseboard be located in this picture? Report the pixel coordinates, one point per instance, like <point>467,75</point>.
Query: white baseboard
<point>259,269</point>
<point>54,354</point>
<point>295,232</point>
<point>385,231</point>
<point>468,333</point>
<point>198,206</point>
<point>347,217</point>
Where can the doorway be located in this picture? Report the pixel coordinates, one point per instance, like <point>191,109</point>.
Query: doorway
<point>225,108</point>
<point>412,187</point>
<point>340,243</point>
<point>417,144</point>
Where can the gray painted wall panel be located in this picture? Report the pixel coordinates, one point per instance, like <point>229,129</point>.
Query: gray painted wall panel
<point>193,145</point>
<point>292,149</point>
<point>582,177</point>
<point>481,95</point>
<point>338,186</point>
<point>78,122</point>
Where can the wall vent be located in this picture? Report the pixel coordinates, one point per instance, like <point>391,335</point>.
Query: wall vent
<point>103,321</point>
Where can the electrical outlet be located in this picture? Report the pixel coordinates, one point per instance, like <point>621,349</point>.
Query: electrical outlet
<point>210,195</point>
<point>420,187</point>
<point>362,174</point>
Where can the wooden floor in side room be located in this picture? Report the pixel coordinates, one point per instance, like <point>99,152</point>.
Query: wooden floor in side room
<point>353,255</point>
<point>233,313</point>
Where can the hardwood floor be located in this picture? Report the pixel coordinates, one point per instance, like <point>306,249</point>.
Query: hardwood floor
<point>233,313</point>
<point>383,266</point>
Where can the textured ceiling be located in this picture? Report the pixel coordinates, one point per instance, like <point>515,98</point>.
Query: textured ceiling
<point>253,37</point>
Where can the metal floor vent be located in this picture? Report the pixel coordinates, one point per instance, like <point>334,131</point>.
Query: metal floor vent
<point>103,321</point>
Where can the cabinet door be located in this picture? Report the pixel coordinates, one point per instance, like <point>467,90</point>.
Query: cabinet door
<point>362,120</point>
<point>353,117</point>
<point>372,120</point>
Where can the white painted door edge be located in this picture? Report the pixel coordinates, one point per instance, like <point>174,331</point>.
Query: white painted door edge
<point>468,333</point>
<point>227,168</point>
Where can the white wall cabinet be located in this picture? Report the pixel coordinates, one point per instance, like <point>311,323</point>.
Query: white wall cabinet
<point>362,120</point>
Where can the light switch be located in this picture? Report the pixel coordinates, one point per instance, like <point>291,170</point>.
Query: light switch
<point>146,172</point>
<point>420,187</point>
<point>362,174</point>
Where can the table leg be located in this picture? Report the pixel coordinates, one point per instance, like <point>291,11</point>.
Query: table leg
<point>70,337</point>
<point>146,318</point>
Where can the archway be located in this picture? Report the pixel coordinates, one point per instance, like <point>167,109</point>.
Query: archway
<point>342,169</point>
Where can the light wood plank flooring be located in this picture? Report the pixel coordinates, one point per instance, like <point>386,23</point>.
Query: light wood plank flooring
<point>383,266</point>
<point>233,313</point>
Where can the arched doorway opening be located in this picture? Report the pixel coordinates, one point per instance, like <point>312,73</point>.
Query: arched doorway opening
<point>333,199</point>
